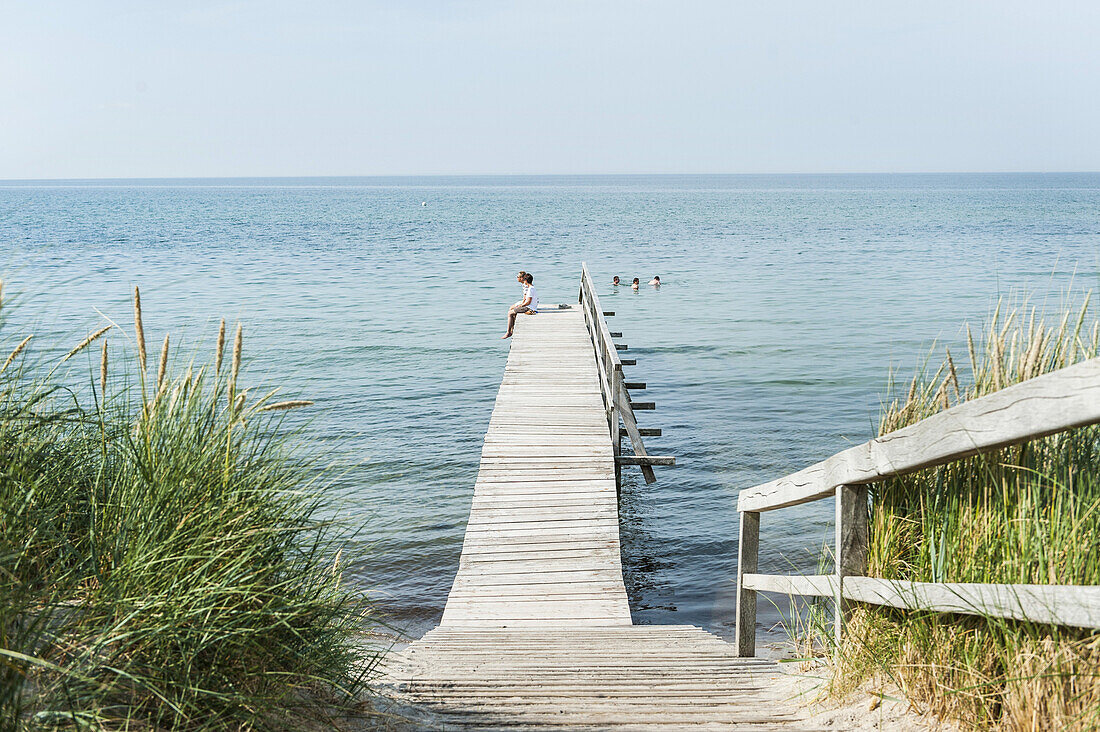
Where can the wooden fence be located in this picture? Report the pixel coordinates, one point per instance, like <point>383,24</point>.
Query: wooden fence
<point>1045,405</point>
<point>615,389</point>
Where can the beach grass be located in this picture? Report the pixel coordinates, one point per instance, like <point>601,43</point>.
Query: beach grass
<point>163,563</point>
<point>1024,514</point>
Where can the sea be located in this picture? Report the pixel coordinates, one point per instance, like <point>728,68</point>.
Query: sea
<point>787,302</point>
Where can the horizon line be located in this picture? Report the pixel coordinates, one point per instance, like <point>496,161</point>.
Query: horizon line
<point>539,175</point>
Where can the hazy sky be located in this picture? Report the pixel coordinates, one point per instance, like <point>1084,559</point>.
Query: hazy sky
<point>194,88</point>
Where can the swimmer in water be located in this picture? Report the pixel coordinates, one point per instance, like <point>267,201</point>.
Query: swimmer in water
<point>656,281</point>
<point>615,281</point>
<point>634,284</point>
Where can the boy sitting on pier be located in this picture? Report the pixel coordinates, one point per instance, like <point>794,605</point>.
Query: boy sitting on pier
<point>529,304</point>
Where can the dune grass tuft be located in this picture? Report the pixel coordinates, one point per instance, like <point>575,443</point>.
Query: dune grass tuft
<point>162,565</point>
<point>1024,514</point>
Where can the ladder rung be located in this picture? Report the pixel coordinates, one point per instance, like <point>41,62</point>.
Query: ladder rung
<point>643,431</point>
<point>645,460</point>
<point>643,406</point>
<point>639,385</point>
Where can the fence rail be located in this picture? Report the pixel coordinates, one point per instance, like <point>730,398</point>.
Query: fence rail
<point>1048,404</point>
<point>614,388</point>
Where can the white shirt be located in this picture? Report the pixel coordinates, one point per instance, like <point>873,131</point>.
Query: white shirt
<point>529,292</point>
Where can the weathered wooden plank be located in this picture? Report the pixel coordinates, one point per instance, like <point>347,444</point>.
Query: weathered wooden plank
<point>1047,404</point>
<point>1077,606</point>
<point>1071,605</point>
<point>816,585</point>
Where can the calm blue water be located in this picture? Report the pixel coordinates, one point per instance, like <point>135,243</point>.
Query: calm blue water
<point>787,300</point>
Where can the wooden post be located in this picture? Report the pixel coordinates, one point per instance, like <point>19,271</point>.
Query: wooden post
<point>851,547</point>
<point>748,553</point>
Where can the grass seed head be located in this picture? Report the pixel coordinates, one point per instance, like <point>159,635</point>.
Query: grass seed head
<point>139,331</point>
<point>86,342</point>
<point>16,352</point>
<point>221,348</point>
<point>103,371</point>
<point>163,365</point>
<point>237,351</point>
<point>235,367</point>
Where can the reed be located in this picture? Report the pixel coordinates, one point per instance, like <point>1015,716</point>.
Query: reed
<point>166,568</point>
<point>1025,514</point>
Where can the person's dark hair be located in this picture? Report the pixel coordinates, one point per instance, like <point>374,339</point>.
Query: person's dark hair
<point>657,277</point>
<point>528,278</point>
<point>636,279</point>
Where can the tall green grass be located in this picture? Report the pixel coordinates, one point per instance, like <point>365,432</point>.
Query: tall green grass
<point>1024,514</point>
<point>162,563</point>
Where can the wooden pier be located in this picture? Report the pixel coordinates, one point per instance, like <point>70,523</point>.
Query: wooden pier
<point>537,630</point>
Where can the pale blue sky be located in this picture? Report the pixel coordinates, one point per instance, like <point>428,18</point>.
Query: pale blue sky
<point>196,88</point>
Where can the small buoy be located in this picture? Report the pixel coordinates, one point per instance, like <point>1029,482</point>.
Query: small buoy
<point>423,203</point>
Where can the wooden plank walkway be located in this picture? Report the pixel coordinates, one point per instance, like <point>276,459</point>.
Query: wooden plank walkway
<point>537,631</point>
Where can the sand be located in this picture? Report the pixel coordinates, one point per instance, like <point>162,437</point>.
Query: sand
<point>804,684</point>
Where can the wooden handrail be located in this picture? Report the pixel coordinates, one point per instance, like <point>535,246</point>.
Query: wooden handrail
<point>1046,405</point>
<point>613,387</point>
<point>1073,605</point>
<point>1054,402</point>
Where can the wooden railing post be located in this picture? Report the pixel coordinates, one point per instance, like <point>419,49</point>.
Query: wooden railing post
<point>851,547</point>
<point>748,553</point>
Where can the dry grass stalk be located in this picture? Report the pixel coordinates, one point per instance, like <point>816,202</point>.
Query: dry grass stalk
<point>221,348</point>
<point>954,376</point>
<point>103,370</point>
<point>139,331</point>
<point>16,352</point>
<point>290,404</point>
<point>163,365</point>
<point>86,342</point>
<point>236,365</point>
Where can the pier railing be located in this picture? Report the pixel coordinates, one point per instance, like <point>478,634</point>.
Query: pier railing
<point>614,387</point>
<point>1048,404</point>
